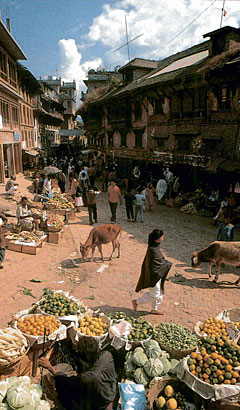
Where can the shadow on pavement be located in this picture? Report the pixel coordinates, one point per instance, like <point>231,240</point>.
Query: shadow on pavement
<point>74,262</point>
<point>203,283</point>
<point>129,312</point>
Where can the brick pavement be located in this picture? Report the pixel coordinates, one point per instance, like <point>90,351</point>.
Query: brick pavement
<point>188,298</point>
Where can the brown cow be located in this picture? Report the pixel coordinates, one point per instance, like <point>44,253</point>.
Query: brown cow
<point>216,254</point>
<point>100,235</point>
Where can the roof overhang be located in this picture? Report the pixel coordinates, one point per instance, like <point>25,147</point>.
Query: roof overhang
<point>10,45</point>
<point>222,30</point>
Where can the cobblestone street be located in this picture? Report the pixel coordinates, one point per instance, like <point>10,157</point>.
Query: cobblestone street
<point>189,294</point>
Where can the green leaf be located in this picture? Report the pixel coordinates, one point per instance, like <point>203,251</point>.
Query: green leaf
<point>36,280</point>
<point>28,292</point>
<point>92,287</point>
<point>90,297</point>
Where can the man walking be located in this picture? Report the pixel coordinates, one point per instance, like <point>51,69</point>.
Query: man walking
<point>91,204</point>
<point>114,196</point>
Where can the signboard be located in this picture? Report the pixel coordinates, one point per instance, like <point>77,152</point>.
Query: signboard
<point>16,136</point>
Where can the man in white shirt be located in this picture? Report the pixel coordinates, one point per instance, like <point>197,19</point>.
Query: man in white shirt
<point>24,215</point>
<point>47,185</point>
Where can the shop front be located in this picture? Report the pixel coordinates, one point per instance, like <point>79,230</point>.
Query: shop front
<point>10,155</point>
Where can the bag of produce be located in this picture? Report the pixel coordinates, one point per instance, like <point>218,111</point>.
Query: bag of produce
<point>5,406</point>
<point>18,395</point>
<point>152,349</point>
<point>27,407</point>
<point>153,367</point>
<point>21,379</point>
<point>139,358</point>
<point>139,349</point>
<point>44,405</point>
<point>36,394</point>
<point>141,376</point>
<point>129,367</point>
<point>129,355</point>
<point>173,363</point>
<point>166,365</point>
<point>3,389</point>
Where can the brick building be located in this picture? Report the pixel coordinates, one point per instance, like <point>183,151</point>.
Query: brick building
<point>65,93</point>
<point>182,111</point>
<point>49,113</point>
<point>10,137</point>
<point>29,88</point>
<point>100,78</point>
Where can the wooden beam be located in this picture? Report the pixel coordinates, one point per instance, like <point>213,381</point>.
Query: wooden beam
<point>156,92</point>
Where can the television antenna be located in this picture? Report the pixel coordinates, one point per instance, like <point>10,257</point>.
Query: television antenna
<point>128,42</point>
<point>223,13</point>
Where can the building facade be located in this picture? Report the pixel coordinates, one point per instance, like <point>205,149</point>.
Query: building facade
<point>10,135</point>
<point>100,78</point>
<point>185,112</point>
<point>29,88</point>
<point>49,115</point>
<point>65,93</point>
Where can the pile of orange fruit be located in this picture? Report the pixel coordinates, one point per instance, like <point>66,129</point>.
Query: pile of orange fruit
<point>92,326</point>
<point>34,325</point>
<point>213,327</point>
<point>212,368</point>
<point>217,361</point>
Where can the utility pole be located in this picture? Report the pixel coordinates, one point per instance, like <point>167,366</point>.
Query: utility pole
<point>222,13</point>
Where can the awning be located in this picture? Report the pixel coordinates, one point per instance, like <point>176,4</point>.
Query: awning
<point>215,164</point>
<point>32,152</point>
<point>230,166</point>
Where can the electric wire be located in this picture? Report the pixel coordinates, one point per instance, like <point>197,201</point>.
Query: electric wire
<point>185,28</point>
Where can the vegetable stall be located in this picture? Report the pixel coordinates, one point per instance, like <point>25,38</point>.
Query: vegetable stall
<point>166,366</point>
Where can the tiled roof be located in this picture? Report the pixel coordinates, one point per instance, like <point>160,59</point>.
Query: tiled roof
<point>140,62</point>
<point>155,76</point>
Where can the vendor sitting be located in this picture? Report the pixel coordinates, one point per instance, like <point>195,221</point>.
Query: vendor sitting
<point>24,215</point>
<point>94,387</point>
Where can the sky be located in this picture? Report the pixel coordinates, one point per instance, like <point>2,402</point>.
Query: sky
<point>69,37</point>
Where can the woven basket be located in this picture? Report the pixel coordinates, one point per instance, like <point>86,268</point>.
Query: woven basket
<point>176,354</point>
<point>52,229</point>
<point>232,331</point>
<point>155,389</point>
<point>7,369</point>
<point>157,386</point>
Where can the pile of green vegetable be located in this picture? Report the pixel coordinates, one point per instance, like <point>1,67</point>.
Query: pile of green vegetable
<point>141,328</point>
<point>18,393</point>
<point>144,363</point>
<point>175,336</point>
<point>116,316</point>
<point>58,304</point>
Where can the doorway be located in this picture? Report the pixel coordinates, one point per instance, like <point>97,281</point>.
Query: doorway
<point>8,160</point>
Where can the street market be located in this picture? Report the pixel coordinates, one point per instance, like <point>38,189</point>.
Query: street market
<point>159,355</point>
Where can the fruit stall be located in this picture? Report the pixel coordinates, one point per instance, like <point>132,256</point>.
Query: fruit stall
<point>166,366</point>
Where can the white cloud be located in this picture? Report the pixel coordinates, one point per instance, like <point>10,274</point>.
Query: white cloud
<point>160,21</point>
<point>72,67</point>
